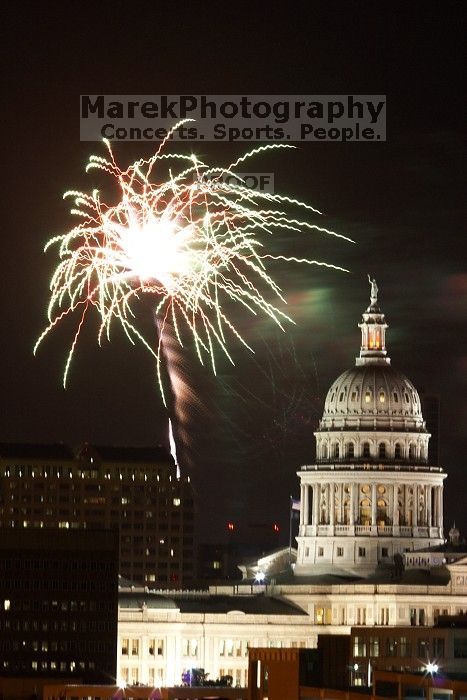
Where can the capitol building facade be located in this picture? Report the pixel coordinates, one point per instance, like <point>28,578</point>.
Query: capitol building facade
<point>371,494</point>
<point>371,548</point>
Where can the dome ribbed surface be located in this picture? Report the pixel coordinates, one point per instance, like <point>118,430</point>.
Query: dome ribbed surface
<point>372,394</point>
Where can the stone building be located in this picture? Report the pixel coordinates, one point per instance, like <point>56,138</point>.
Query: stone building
<point>371,493</point>
<point>370,498</point>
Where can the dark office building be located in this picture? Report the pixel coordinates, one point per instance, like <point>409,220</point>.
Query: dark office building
<point>134,490</point>
<point>58,607</point>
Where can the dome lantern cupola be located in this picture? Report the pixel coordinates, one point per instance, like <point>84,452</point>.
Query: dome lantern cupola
<point>373,327</point>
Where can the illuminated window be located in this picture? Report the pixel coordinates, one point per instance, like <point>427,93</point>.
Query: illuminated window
<point>6,604</point>
<point>227,647</point>
<point>382,397</point>
<point>361,616</point>
<point>238,647</point>
<point>367,396</point>
<point>193,647</point>
<point>405,647</point>
<point>176,501</point>
<point>135,647</point>
<point>156,647</point>
<point>373,646</point>
<point>359,646</point>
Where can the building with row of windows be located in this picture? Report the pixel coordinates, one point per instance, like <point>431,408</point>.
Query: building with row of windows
<point>371,512</point>
<point>162,635</point>
<point>371,550</point>
<point>58,606</point>
<point>135,491</point>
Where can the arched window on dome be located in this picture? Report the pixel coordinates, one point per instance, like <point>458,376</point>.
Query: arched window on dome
<point>412,451</point>
<point>366,449</point>
<point>324,451</point>
<point>382,450</point>
<point>382,396</point>
<point>336,450</point>
<point>367,396</point>
<point>398,451</point>
<point>396,397</point>
<point>350,450</point>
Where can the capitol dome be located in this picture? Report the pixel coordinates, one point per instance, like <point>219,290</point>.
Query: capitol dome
<point>372,395</point>
<point>371,494</point>
<point>372,403</point>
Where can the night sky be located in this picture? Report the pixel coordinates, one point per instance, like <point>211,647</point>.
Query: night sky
<point>401,201</point>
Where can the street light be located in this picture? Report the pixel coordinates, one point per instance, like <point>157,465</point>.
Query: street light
<point>432,667</point>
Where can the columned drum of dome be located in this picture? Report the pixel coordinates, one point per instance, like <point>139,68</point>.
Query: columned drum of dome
<point>371,494</point>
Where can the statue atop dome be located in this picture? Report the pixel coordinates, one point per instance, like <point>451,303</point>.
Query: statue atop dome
<point>373,291</point>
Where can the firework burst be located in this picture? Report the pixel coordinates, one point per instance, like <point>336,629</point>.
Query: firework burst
<point>194,241</point>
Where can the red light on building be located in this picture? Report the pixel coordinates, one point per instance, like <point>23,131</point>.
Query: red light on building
<point>230,527</point>
<point>276,527</point>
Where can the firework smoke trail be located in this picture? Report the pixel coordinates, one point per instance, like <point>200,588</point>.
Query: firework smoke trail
<point>191,241</point>
<point>183,398</point>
